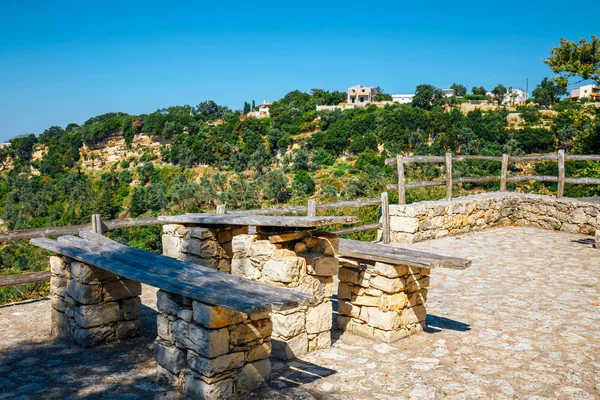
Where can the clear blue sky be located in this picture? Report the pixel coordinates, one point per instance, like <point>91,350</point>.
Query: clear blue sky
<point>66,61</point>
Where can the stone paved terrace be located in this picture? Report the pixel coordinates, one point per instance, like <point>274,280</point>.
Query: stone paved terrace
<point>522,322</point>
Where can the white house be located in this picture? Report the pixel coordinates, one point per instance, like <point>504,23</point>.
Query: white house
<point>515,97</point>
<point>587,91</point>
<point>402,98</point>
<point>448,92</point>
<point>360,94</point>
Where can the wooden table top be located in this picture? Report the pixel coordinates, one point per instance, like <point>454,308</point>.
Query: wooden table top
<point>258,220</point>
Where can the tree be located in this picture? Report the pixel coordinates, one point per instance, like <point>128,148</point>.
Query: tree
<point>571,59</point>
<point>253,105</point>
<point>423,96</point>
<point>459,90</point>
<point>499,93</point>
<point>246,109</point>
<point>276,188</point>
<point>303,183</point>
<point>548,92</point>
<point>480,90</point>
<point>381,95</point>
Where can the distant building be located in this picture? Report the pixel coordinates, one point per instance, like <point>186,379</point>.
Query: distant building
<point>402,98</point>
<point>515,97</point>
<point>360,94</point>
<point>263,111</point>
<point>584,92</point>
<point>448,92</point>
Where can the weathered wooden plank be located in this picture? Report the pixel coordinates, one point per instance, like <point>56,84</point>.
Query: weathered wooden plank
<point>475,157</point>
<point>417,159</point>
<point>385,218</point>
<point>401,180</point>
<point>477,179</point>
<point>544,178</point>
<point>561,173</point>
<point>22,279</point>
<point>583,181</point>
<point>200,283</point>
<point>244,220</point>
<point>97,223</point>
<point>582,157</point>
<point>414,185</point>
<point>448,176</point>
<point>392,254</point>
<point>354,229</point>
<point>221,209</point>
<point>312,208</point>
<point>288,237</point>
<point>504,173</point>
<point>546,157</point>
<point>42,232</point>
<point>130,223</point>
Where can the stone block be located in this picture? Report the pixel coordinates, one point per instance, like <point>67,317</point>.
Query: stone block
<point>88,316</point>
<point>344,292</point>
<point>84,294</point>
<point>389,270</point>
<point>361,329</point>
<point>322,265</point>
<point>206,342</point>
<point>93,336</point>
<point>216,317</point>
<point>87,273</point>
<point>204,248</point>
<point>165,303</point>
<point>170,357</point>
<point>57,266</point>
<point>343,322</point>
<point>58,303</point>
<point>58,284</point>
<point>289,349</point>
<point>242,267</point>
<point>386,320</point>
<point>60,325</point>
<point>390,336</point>
<point>404,224</point>
<point>172,246</point>
<point>392,302</point>
<point>414,315</point>
<point>388,285</point>
<point>211,367</point>
<point>285,270</point>
<point>128,329</point>
<point>319,318</point>
<point>414,285</point>
<point>186,314</point>
<point>174,380</point>
<point>351,275</point>
<point>242,334</point>
<point>131,308</point>
<point>347,308</point>
<point>259,352</point>
<point>201,233</point>
<point>121,289</point>
<point>253,375</point>
<point>289,324</point>
<point>300,247</point>
<point>240,245</point>
<point>262,248</point>
<point>320,341</point>
<point>365,300</point>
<point>196,388</point>
<point>163,325</point>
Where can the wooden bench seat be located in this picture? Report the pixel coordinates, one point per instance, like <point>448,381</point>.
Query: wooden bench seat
<point>356,249</point>
<point>174,276</point>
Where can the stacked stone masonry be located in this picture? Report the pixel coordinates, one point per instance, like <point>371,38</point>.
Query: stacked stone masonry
<point>382,301</point>
<point>211,352</point>
<point>210,247</point>
<point>307,265</point>
<point>434,219</point>
<point>91,305</point>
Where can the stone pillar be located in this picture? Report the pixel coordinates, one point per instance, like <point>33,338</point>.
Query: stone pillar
<point>307,265</point>
<point>210,352</point>
<point>382,301</point>
<point>92,305</point>
<point>210,247</point>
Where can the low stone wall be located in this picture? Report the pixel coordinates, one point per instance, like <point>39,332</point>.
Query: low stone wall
<point>307,265</point>
<point>210,247</point>
<point>434,219</point>
<point>382,301</point>
<point>92,305</point>
<point>211,352</point>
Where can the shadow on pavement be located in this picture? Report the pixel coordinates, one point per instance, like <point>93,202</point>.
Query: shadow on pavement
<point>437,324</point>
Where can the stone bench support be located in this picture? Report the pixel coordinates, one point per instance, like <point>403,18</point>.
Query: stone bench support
<point>307,265</point>
<point>91,305</point>
<point>382,301</point>
<point>211,352</point>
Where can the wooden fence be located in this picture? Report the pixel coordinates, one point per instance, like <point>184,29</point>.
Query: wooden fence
<point>100,226</point>
<point>561,179</point>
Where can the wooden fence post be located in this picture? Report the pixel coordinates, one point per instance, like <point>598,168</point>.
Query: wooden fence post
<point>312,208</point>
<point>385,218</point>
<point>561,173</point>
<point>401,181</point>
<point>504,172</point>
<point>97,223</point>
<point>448,176</point>
<point>221,209</point>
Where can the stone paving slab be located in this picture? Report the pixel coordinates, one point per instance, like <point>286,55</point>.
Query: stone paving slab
<point>523,322</point>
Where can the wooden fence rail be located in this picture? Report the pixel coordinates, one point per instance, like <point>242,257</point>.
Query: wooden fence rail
<point>561,179</point>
